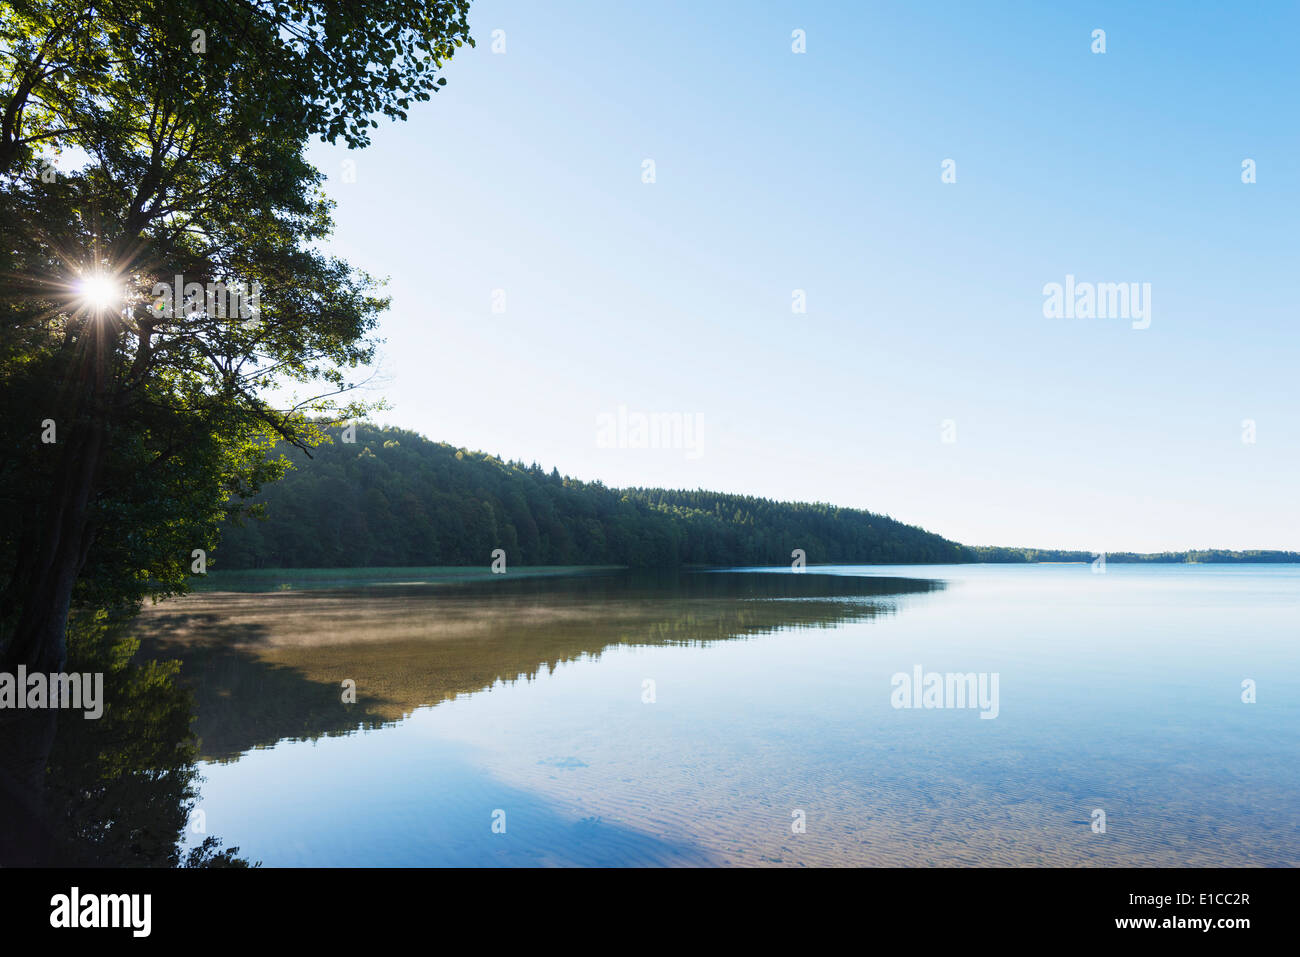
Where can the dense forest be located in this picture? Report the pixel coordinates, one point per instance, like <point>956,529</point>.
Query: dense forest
<point>395,498</point>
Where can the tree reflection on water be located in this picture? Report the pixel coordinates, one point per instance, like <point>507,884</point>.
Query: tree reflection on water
<point>119,790</point>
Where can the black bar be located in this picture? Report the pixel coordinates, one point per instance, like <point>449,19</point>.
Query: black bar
<point>991,906</point>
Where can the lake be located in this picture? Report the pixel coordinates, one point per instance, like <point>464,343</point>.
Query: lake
<point>752,716</point>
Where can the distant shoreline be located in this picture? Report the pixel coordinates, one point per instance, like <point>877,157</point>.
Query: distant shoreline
<point>294,579</point>
<point>1000,555</point>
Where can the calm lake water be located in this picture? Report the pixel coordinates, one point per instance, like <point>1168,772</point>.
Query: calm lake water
<point>747,717</point>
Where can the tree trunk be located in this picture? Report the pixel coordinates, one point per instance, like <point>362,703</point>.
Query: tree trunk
<point>26,739</point>
<point>43,585</point>
<point>38,637</point>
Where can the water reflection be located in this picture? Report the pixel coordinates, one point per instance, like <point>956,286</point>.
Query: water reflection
<point>1119,692</point>
<point>268,667</point>
<point>118,790</point>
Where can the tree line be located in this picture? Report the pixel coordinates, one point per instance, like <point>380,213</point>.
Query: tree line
<point>394,498</point>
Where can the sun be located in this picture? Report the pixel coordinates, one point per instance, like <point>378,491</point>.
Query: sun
<point>99,291</point>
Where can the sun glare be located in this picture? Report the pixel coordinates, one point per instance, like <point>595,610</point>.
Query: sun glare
<point>99,292</point>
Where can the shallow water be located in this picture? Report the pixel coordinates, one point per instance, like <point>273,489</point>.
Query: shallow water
<point>525,702</point>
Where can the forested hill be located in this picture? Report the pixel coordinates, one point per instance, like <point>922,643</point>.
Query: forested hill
<point>394,498</point>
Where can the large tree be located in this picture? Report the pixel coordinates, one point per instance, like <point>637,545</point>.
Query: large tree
<point>131,429</point>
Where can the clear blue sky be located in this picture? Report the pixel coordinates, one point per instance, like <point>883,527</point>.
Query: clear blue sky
<point>778,171</point>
